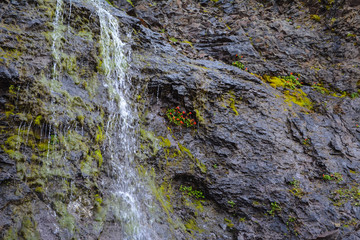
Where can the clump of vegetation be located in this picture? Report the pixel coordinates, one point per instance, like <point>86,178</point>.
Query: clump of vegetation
<point>232,204</point>
<point>180,118</point>
<point>291,81</point>
<point>229,222</point>
<point>319,88</point>
<point>306,141</point>
<point>347,194</point>
<point>296,190</point>
<point>291,225</point>
<point>192,193</point>
<point>333,177</point>
<point>174,40</point>
<point>275,208</point>
<point>239,64</point>
<point>351,35</point>
<point>354,95</point>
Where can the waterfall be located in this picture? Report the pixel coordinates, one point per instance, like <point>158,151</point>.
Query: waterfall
<point>129,193</point>
<point>130,199</point>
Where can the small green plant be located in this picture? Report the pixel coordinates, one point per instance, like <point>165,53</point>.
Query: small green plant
<point>333,177</point>
<point>357,125</point>
<point>215,166</point>
<point>290,220</point>
<point>294,182</point>
<point>231,203</point>
<point>129,1</point>
<point>327,177</point>
<point>239,64</point>
<point>318,87</point>
<point>291,81</point>
<point>274,208</point>
<point>173,39</point>
<point>351,35</point>
<point>180,118</point>
<point>192,193</point>
<point>306,141</point>
<point>54,139</point>
<point>354,95</point>
<point>291,224</point>
<point>296,190</point>
<point>229,223</point>
<point>12,90</point>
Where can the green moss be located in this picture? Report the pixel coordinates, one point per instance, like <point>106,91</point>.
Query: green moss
<point>10,54</point>
<point>164,142</point>
<point>12,90</point>
<point>151,139</point>
<point>88,167</point>
<point>14,142</point>
<point>68,63</point>
<point>192,226</point>
<point>74,141</point>
<point>66,220</point>
<point>232,106</point>
<point>11,234</point>
<point>81,118</point>
<point>172,39</point>
<point>28,229</point>
<point>15,155</point>
<point>130,3</point>
<point>98,199</point>
<point>315,18</point>
<point>198,116</point>
<point>298,97</point>
<point>199,164</point>
<point>229,222</point>
<point>44,146</point>
<point>351,35</point>
<point>350,193</point>
<point>86,34</point>
<point>98,156</point>
<point>39,189</point>
<point>37,120</point>
<point>275,82</point>
<point>99,135</point>
<point>9,113</point>
<point>187,42</point>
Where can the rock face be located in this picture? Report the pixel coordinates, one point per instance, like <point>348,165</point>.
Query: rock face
<point>274,153</point>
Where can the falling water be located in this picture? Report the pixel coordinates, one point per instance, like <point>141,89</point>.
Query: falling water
<point>120,130</point>
<point>56,35</point>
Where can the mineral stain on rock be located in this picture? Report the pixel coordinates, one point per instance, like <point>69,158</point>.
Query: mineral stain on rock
<point>269,157</point>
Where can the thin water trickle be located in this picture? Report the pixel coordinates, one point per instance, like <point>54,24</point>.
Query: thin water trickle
<point>56,35</point>
<point>157,94</point>
<point>28,131</point>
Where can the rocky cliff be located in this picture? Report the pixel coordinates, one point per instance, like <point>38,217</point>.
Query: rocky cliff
<point>272,149</point>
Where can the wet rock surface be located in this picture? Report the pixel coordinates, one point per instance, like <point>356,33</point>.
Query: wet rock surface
<point>264,161</point>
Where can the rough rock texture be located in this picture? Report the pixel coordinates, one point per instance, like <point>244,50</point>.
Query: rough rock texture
<point>272,161</point>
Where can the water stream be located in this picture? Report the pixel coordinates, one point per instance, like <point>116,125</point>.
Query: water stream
<point>130,198</point>
<point>130,195</point>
